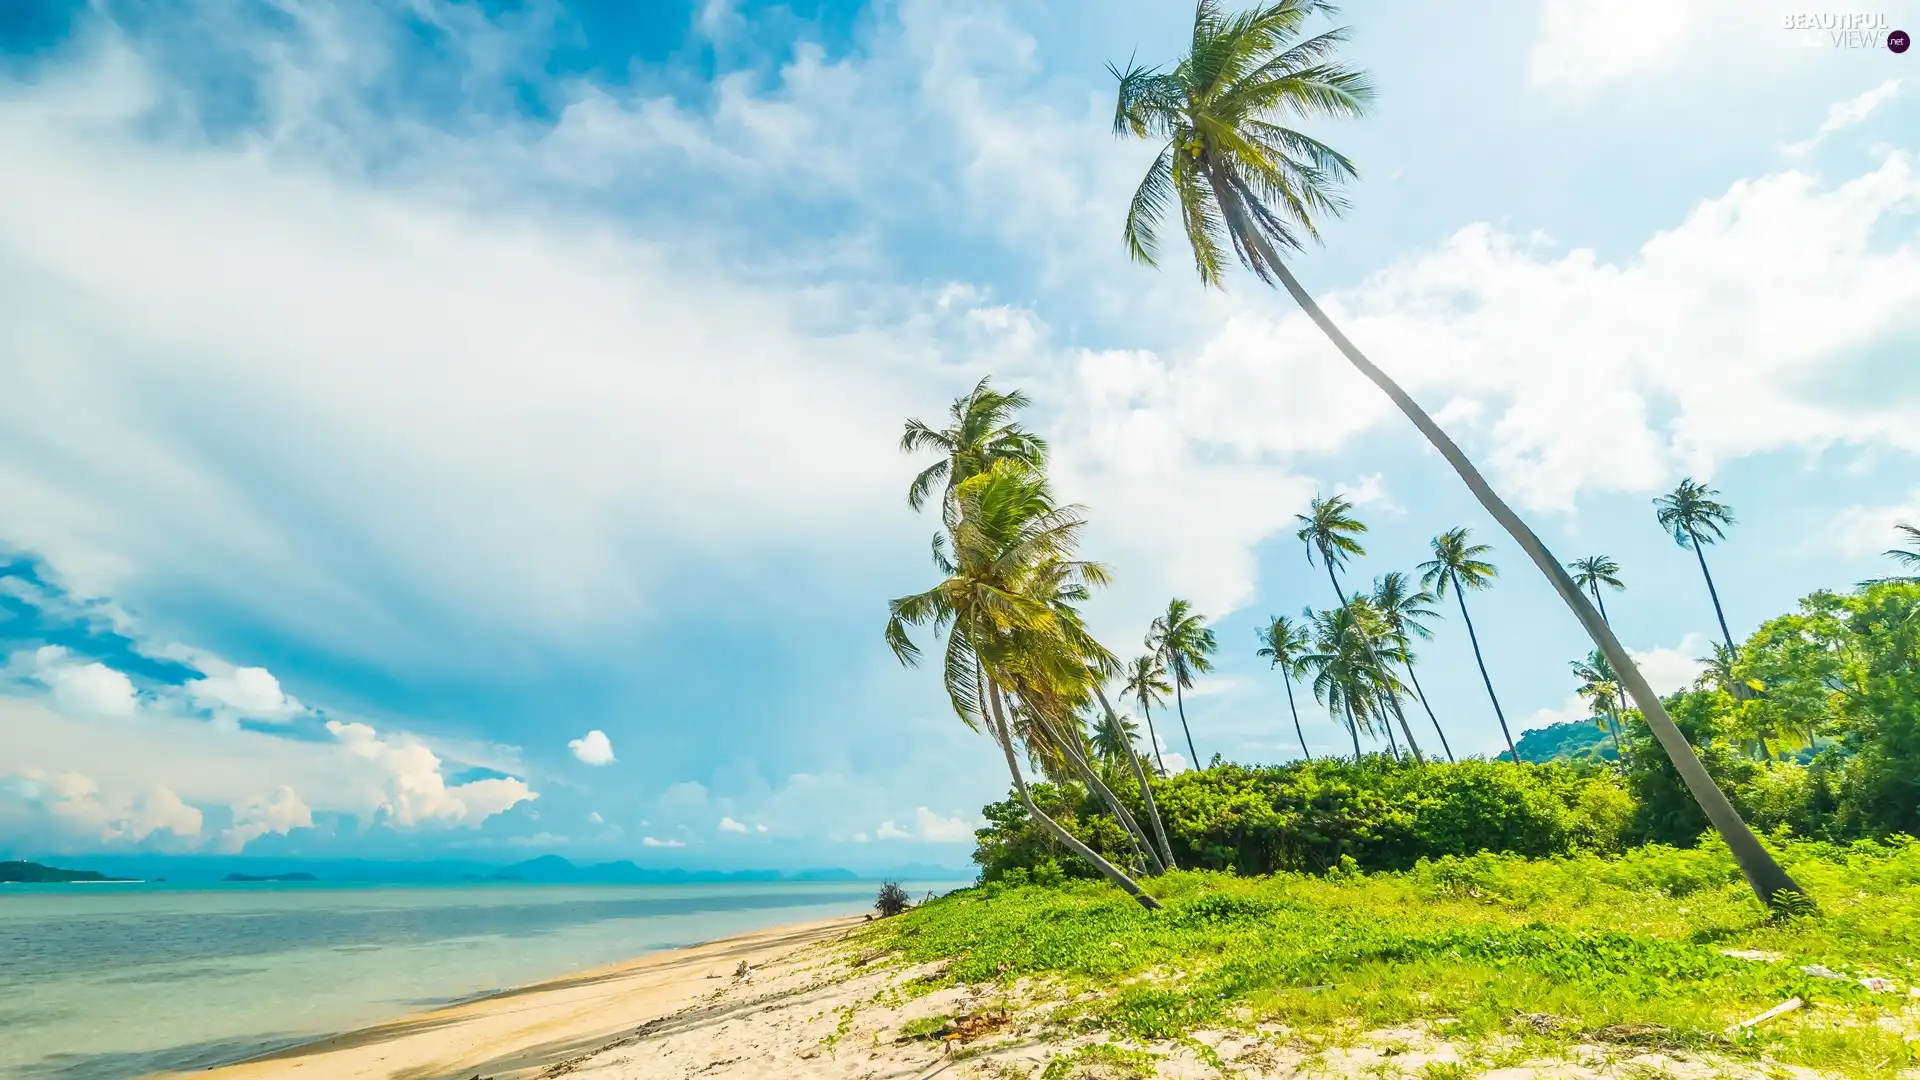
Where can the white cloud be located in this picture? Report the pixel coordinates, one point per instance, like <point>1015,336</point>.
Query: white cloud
<point>593,748</point>
<point>281,811</point>
<point>411,789</point>
<point>81,687</point>
<point>654,841</point>
<point>594,818</point>
<point>727,824</point>
<point>1869,530</point>
<point>1584,45</point>
<point>933,828</point>
<point>1669,670</point>
<point>861,838</point>
<point>77,804</point>
<point>250,693</point>
<point>1845,114</point>
<point>887,830</point>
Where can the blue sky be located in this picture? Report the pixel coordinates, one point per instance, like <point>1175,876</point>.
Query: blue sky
<point>399,392</point>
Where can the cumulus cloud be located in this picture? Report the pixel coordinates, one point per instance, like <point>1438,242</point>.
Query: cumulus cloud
<point>1869,530</point>
<point>654,841</point>
<point>941,830</point>
<point>1669,670</point>
<point>727,824</point>
<point>889,831</point>
<point>82,687</point>
<point>411,787</point>
<point>282,811</point>
<point>76,802</point>
<point>242,693</point>
<point>593,748</point>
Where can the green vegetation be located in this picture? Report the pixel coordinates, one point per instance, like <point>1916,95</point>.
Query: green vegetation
<point>1654,947</point>
<point>36,874</point>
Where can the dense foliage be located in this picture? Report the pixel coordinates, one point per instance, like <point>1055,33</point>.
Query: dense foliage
<point>1813,728</point>
<point>1653,947</point>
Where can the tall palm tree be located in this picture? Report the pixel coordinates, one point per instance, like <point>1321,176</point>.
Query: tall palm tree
<point>1909,559</point>
<point>1012,549</point>
<point>1693,514</point>
<point>980,432</point>
<point>1594,571</point>
<point>1330,528</point>
<point>1282,644</point>
<point>1463,565</point>
<point>1404,610</point>
<point>1147,686</point>
<point>1600,687</point>
<point>1183,642</point>
<point>1231,164</point>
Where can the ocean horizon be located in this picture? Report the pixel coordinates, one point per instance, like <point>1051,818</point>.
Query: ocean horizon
<point>105,981</point>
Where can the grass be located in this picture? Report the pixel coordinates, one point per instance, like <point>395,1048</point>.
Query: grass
<point>1521,958</point>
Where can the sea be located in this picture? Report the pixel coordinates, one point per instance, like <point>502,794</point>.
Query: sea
<point>106,981</point>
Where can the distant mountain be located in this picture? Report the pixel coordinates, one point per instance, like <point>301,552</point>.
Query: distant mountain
<point>270,877</point>
<point>1570,740</point>
<point>34,873</point>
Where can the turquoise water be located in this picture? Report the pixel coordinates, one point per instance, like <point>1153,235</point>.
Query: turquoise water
<point>100,982</point>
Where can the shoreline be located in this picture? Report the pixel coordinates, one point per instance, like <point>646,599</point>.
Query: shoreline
<point>524,1029</point>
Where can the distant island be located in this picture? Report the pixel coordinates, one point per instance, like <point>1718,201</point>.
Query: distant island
<point>36,874</point>
<point>270,877</point>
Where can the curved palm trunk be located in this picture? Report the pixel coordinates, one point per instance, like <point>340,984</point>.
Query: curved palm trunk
<point>1146,858</point>
<point>1153,736</point>
<point>1601,604</point>
<point>1004,736</point>
<point>1478,659</point>
<point>1181,703</point>
<point>1295,710</point>
<point>1146,792</point>
<point>1712,592</point>
<point>1422,694</point>
<point>1764,874</point>
<point>1353,727</point>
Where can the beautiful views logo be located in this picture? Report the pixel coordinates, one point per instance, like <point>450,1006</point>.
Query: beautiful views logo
<point>1847,30</point>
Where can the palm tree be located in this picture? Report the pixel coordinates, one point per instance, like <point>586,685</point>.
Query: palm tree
<point>1330,528</point>
<point>1341,671</point>
<point>1283,644</point>
<point>1231,164</point>
<point>1594,571</point>
<point>1462,565</point>
<point>1694,516</point>
<point>980,433</point>
<point>1909,559</point>
<point>1012,552</point>
<point>1147,686</point>
<point>1405,610</point>
<point>1181,640</point>
<point>1599,686</point>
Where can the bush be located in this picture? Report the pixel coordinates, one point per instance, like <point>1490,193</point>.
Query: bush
<point>892,899</point>
<point>1310,817</point>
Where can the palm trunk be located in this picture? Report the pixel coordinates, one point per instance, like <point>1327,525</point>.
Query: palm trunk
<point>1768,879</point>
<point>1601,604</point>
<point>1149,860</point>
<point>1153,736</point>
<point>1181,703</point>
<point>1295,710</point>
<point>1353,727</point>
<point>1422,694</point>
<point>1461,596</point>
<point>1004,736</point>
<point>1146,791</point>
<point>1700,554</point>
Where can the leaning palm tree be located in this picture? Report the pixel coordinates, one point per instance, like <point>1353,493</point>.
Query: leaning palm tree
<point>1594,571</point>
<point>1342,672</point>
<point>1182,641</point>
<point>1282,644</point>
<point>1405,611</point>
<point>980,432</point>
<point>1232,165</point>
<point>1147,686</point>
<point>1462,565</point>
<point>1600,688</point>
<point>1330,528</point>
<point>1695,517</point>
<point>1012,548</point>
